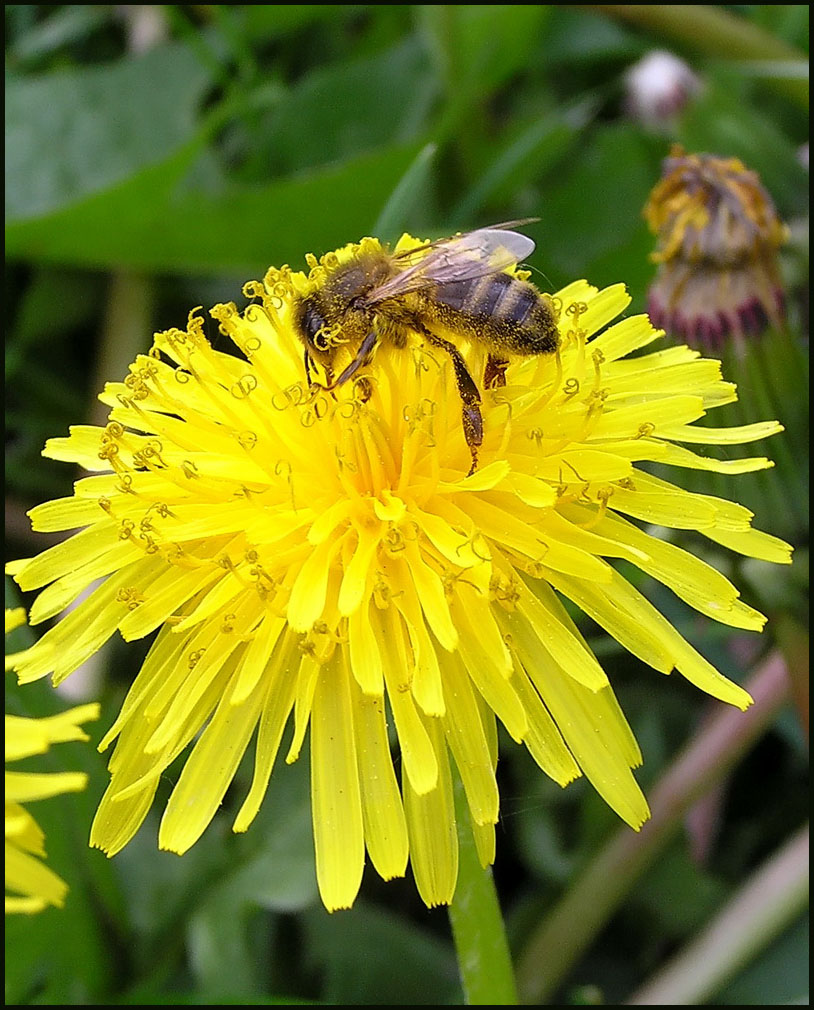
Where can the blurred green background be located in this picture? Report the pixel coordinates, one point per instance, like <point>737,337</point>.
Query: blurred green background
<point>159,156</point>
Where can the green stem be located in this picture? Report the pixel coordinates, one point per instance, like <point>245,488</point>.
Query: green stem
<point>703,28</point>
<point>484,960</point>
<point>770,901</point>
<point>561,938</point>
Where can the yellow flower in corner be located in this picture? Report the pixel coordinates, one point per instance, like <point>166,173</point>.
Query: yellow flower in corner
<point>31,885</point>
<point>325,560</point>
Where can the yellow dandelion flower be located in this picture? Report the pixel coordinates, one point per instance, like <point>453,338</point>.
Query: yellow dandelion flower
<point>31,885</point>
<point>326,560</point>
<point>718,237</point>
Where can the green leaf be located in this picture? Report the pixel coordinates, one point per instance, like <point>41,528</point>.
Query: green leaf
<point>227,941</point>
<point>412,186</point>
<point>61,27</point>
<point>787,21</point>
<point>591,217</point>
<point>270,868</point>
<point>371,956</point>
<point>265,21</point>
<point>351,107</point>
<point>480,46</point>
<point>54,303</point>
<point>76,132</point>
<point>526,156</point>
<point>273,863</point>
<point>580,39</point>
<point>147,223</point>
<point>677,893</point>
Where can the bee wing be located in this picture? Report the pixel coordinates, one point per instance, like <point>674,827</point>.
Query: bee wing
<point>466,257</point>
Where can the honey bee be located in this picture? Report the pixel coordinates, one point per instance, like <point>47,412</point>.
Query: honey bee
<point>455,287</point>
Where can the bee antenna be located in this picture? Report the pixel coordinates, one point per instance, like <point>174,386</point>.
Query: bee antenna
<point>541,273</point>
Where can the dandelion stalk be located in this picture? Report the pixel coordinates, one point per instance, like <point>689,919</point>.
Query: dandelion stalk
<point>480,938</point>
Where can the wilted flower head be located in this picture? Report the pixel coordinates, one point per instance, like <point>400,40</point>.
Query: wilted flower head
<point>658,87</point>
<point>31,885</point>
<point>718,235</point>
<point>324,560</point>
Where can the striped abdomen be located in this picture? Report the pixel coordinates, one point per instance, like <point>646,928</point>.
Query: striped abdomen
<point>498,309</point>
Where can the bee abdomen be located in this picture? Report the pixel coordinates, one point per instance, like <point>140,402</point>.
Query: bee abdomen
<point>501,309</point>
<point>496,297</point>
<point>476,296</point>
<point>516,303</point>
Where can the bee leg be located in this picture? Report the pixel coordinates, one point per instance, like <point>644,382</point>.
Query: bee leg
<point>363,389</point>
<point>495,372</point>
<point>362,357</point>
<point>470,397</point>
<point>309,374</point>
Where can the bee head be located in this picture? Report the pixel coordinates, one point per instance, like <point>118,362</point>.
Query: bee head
<point>315,329</point>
